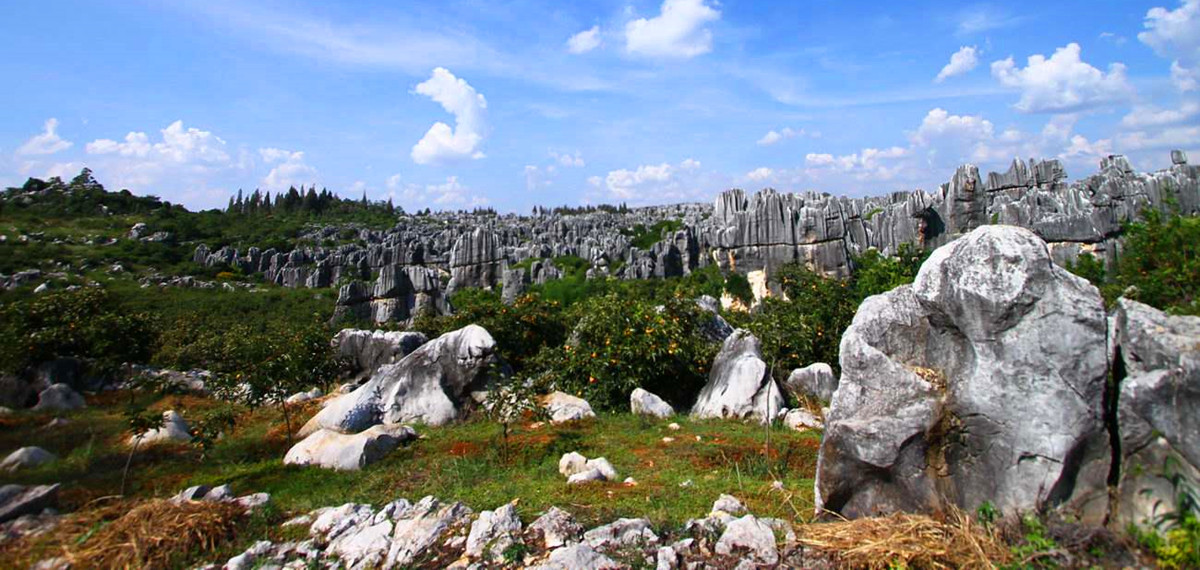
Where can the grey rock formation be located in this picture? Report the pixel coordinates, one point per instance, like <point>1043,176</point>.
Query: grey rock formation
<point>563,407</point>
<point>751,538</point>
<point>714,328</point>
<point>431,386</point>
<point>18,500</point>
<point>555,528</point>
<point>815,380</point>
<point>982,381</point>
<point>740,385</point>
<point>578,557</point>
<point>59,398</point>
<point>26,458</point>
<point>348,452</point>
<point>1156,362</point>
<point>516,282</point>
<point>621,532</point>
<point>644,403</point>
<point>367,351</point>
<point>420,527</point>
<point>494,532</point>
<point>447,251</point>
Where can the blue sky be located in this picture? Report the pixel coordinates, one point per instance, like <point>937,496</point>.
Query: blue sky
<point>457,104</point>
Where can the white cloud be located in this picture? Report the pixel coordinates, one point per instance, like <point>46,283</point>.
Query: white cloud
<point>595,181</point>
<point>760,174</point>
<point>869,164</point>
<point>290,169</point>
<point>48,142</point>
<point>677,32</point>
<point>584,41</point>
<point>961,61</point>
<point>453,193</point>
<point>538,178</point>
<point>940,124</point>
<point>570,161</point>
<point>774,136</point>
<point>1175,35</point>
<point>1062,83</point>
<point>1146,116</point>
<point>183,158</point>
<point>656,183</point>
<point>441,143</point>
<point>1114,38</point>
<point>690,164</point>
<point>393,182</point>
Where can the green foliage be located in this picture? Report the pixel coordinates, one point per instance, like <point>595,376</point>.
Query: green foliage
<point>644,238</point>
<point>1175,537</point>
<point>210,426</point>
<point>86,323</point>
<point>807,327</point>
<point>521,330</point>
<point>987,514</point>
<point>1035,549</point>
<point>1089,267</point>
<point>1161,259</point>
<point>620,343</point>
<point>738,286</point>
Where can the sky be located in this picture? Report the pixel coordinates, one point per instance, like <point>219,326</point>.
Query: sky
<point>460,104</point>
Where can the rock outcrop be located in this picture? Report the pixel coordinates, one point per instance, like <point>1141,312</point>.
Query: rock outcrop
<point>984,380</point>
<point>812,381</point>
<point>644,403</point>
<point>174,429</point>
<point>59,398</point>
<point>18,500</point>
<point>429,386</point>
<point>26,458</point>
<point>416,264</point>
<point>348,452</point>
<point>740,384</point>
<point>367,351</point>
<point>1156,363</point>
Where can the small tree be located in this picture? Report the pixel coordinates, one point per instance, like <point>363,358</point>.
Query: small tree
<point>512,402</point>
<point>138,420</point>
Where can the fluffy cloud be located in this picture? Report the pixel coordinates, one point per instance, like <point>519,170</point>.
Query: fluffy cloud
<point>656,183</point>
<point>677,32</point>
<point>441,143</point>
<point>869,164</point>
<point>961,61</point>
<point>1062,83</point>
<point>186,158</point>
<point>1146,116</point>
<point>760,174</point>
<point>289,169</point>
<point>1175,35</point>
<point>451,193</point>
<point>940,124</point>
<point>774,136</point>
<point>48,142</point>
<point>584,41</point>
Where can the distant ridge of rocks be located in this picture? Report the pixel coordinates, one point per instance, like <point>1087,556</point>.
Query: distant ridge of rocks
<point>417,264</point>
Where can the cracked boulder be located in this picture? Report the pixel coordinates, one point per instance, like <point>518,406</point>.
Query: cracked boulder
<point>740,384</point>
<point>1156,361</point>
<point>984,380</point>
<point>431,386</point>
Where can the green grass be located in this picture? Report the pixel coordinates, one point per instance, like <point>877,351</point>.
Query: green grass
<point>467,462</point>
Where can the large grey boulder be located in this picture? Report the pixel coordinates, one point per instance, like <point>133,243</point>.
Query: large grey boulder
<point>367,351</point>
<point>59,398</point>
<point>714,327</point>
<point>577,557</point>
<point>18,500</point>
<point>1156,362</point>
<point>430,386</point>
<point>751,538</point>
<point>644,403</point>
<point>815,381</point>
<point>348,452</point>
<point>740,384</point>
<point>982,381</point>
<point>25,458</point>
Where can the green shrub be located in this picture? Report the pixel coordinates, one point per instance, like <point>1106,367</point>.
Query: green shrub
<point>1161,259</point>
<point>86,323</point>
<point>521,330</point>
<point>620,343</point>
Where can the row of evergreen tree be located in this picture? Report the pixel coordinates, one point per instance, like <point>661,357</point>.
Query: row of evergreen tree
<point>302,201</point>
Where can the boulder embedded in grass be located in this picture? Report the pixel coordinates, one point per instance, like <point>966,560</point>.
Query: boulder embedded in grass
<point>25,458</point>
<point>644,403</point>
<point>564,407</point>
<point>348,452</point>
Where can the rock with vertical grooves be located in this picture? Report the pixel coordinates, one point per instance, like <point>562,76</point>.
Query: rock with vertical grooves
<point>982,381</point>
<point>740,385</point>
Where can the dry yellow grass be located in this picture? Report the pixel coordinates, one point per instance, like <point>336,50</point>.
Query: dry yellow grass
<point>916,541</point>
<point>130,534</point>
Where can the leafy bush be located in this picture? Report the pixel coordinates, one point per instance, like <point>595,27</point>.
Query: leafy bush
<point>620,343</point>
<point>521,330</point>
<point>86,323</point>
<point>1161,259</point>
<point>807,327</point>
